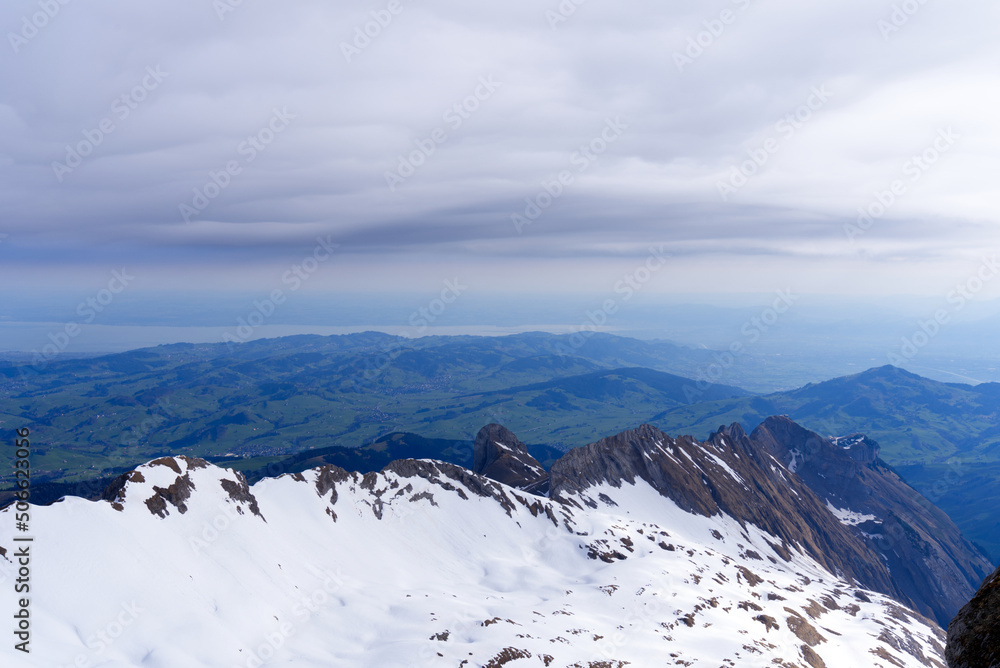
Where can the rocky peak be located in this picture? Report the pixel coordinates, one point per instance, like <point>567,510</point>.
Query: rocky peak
<point>500,456</point>
<point>861,448</point>
<point>935,567</point>
<point>808,454</point>
<point>727,474</point>
<point>166,484</point>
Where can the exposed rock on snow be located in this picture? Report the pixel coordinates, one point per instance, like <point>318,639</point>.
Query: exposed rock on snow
<point>652,552</point>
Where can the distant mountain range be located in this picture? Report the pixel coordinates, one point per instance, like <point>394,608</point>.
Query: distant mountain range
<point>97,417</point>
<point>942,438</point>
<point>297,402</point>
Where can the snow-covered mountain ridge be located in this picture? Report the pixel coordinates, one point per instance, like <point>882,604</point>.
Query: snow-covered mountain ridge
<point>429,564</point>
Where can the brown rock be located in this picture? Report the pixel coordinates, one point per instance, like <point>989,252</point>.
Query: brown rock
<point>974,634</point>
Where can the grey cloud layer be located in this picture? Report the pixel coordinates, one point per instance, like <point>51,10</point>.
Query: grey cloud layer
<point>175,106</point>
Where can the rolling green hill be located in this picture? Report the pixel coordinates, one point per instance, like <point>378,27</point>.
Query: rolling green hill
<point>92,418</point>
<point>268,402</point>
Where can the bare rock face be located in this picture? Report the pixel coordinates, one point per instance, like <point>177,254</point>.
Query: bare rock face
<point>974,634</point>
<point>167,484</point>
<point>500,456</point>
<point>726,474</point>
<point>934,566</point>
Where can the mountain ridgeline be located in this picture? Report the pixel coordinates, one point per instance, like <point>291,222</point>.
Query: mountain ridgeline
<point>840,505</point>
<point>259,405</point>
<point>270,399</point>
<point>942,438</point>
<point>639,549</point>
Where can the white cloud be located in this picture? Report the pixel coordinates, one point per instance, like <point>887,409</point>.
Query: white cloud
<point>353,120</point>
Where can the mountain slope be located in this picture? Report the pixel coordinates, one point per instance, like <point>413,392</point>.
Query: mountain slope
<point>728,476</point>
<point>974,634</point>
<point>933,565</point>
<point>429,564</point>
<point>617,383</point>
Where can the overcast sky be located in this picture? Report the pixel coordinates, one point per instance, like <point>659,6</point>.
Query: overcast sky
<point>115,115</point>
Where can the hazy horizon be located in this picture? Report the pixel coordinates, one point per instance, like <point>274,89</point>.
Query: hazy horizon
<point>817,337</point>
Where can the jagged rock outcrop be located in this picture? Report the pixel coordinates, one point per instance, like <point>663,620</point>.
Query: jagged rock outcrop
<point>727,474</point>
<point>930,561</point>
<point>463,569</point>
<point>499,455</point>
<point>974,633</point>
<point>168,483</point>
